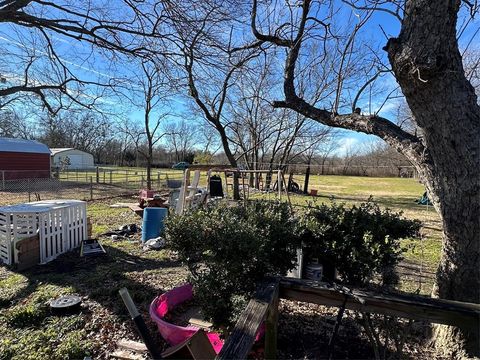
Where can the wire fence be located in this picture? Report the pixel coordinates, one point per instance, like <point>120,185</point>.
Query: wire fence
<point>104,182</point>
<point>88,184</point>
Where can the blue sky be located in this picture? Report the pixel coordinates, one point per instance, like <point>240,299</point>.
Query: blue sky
<point>93,66</point>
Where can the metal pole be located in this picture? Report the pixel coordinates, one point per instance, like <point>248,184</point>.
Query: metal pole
<point>3,179</point>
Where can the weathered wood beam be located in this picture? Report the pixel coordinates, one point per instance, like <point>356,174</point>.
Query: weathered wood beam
<point>241,340</point>
<point>465,315</point>
<point>271,327</point>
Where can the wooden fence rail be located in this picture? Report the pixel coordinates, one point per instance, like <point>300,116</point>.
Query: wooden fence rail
<point>264,307</point>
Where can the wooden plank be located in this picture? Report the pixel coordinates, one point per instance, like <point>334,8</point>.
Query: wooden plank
<point>132,345</point>
<point>466,315</point>
<point>271,325</point>
<point>126,355</point>
<point>241,340</point>
<point>202,324</point>
<point>136,209</point>
<point>196,347</point>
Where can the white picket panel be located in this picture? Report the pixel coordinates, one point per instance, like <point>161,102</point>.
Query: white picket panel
<point>61,225</point>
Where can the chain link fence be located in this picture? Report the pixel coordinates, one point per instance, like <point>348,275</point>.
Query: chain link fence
<point>90,184</point>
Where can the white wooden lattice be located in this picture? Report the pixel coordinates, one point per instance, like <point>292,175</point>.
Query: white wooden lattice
<point>61,224</point>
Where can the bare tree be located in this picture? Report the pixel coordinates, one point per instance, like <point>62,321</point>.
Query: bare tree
<point>180,138</point>
<point>36,34</point>
<point>210,62</point>
<point>150,93</point>
<point>427,64</point>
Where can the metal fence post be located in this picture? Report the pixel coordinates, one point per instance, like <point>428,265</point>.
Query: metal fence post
<point>98,175</point>
<point>91,188</point>
<point>3,179</point>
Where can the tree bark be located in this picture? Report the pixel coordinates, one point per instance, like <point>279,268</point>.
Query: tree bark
<point>428,66</point>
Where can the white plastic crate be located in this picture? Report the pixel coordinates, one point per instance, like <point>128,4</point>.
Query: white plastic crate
<point>61,225</point>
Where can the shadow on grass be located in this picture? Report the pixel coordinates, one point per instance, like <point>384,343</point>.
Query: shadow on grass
<point>98,279</point>
<point>302,336</point>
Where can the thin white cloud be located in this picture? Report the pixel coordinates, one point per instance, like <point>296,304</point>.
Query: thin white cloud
<point>346,145</point>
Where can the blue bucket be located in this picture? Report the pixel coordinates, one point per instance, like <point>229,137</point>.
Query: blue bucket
<point>153,222</point>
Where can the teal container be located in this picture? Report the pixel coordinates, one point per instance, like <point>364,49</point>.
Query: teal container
<point>153,218</point>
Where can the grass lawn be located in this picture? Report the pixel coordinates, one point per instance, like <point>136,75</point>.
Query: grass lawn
<point>29,331</point>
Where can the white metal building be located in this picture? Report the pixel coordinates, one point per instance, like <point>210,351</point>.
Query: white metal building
<point>70,158</point>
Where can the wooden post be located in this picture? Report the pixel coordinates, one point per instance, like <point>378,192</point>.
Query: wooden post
<point>226,184</point>
<point>307,178</point>
<point>97,175</point>
<point>183,192</point>
<point>286,191</point>
<point>271,328</point>
<point>279,184</point>
<point>91,188</point>
<point>240,341</point>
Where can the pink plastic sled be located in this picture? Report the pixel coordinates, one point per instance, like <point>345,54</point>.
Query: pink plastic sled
<point>175,334</point>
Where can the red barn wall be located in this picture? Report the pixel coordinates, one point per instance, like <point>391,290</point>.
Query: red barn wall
<point>18,165</point>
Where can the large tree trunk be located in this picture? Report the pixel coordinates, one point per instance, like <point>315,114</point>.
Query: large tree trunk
<point>428,66</point>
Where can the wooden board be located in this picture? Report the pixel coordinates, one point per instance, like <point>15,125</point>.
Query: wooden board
<point>440,311</point>
<point>136,209</point>
<point>197,347</point>
<point>241,340</point>
<point>126,355</point>
<point>132,345</point>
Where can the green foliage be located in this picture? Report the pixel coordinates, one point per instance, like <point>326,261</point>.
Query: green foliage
<point>359,241</point>
<point>230,249</point>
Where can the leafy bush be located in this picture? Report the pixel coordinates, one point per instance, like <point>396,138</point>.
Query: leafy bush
<point>229,249</point>
<point>359,242</point>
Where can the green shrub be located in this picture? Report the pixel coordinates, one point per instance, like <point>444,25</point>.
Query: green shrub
<point>229,249</point>
<point>359,242</point>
